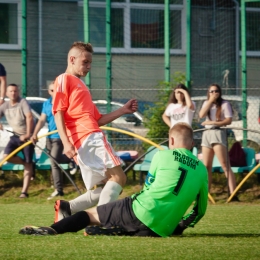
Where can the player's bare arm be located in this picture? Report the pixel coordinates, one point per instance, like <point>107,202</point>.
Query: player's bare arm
<point>69,149</point>
<point>212,99</point>
<point>189,103</point>
<point>130,107</point>
<point>204,110</point>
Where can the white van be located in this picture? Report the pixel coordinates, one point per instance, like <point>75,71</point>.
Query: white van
<point>252,115</point>
<point>131,122</point>
<point>36,106</point>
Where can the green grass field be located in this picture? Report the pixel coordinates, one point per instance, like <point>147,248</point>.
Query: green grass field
<point>228,231</point>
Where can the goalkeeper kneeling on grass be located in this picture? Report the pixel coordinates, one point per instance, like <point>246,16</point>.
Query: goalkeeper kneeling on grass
<point>176,178</point>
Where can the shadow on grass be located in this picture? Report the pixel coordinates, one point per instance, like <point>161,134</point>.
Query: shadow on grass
<point>250,235</point>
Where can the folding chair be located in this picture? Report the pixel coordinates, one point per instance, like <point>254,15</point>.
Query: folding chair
<point>145,165</point>
<point>250,161</point>
<point>44,163</point>
<point>195,151</point>
<point>13,167</point>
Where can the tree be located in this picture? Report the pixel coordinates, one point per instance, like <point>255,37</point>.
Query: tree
<point>158,130</point>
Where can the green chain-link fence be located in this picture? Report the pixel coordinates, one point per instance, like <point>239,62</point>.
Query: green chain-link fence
<point>138,58</point>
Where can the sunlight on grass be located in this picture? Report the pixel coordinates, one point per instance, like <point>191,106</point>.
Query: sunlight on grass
<point>226,232</point>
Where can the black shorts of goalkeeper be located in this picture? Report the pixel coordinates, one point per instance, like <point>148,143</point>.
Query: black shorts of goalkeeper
<point>120,213</point>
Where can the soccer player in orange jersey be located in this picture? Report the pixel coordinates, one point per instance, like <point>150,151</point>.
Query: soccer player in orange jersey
<point>78,121</point>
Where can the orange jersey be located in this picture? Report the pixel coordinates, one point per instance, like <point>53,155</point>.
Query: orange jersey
<point>81,116</point>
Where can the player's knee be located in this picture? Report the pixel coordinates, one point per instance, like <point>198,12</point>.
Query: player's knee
<point>120,179</point>
<point>117,175</point>
<point>123,180</point>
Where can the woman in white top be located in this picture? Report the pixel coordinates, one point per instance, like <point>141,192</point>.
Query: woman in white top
<point>218,112</point>
<point>180,107</point>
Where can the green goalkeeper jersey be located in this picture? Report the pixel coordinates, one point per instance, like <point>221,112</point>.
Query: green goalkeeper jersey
<point>176,178</point>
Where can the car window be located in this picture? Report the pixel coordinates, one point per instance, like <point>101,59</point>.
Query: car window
<point>124,119</point>
<point>3,120</point>
<point>102,108</point>
<point>36,105</point>
<point>122,141</point>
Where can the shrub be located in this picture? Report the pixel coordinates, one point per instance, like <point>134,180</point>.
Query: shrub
<point>158,130</point>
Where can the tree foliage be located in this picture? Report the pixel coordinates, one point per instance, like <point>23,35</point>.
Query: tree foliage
<point>158,130</point>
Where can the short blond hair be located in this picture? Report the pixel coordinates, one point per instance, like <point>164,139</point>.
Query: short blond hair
<point>82,46</point>
<point>182,131</point>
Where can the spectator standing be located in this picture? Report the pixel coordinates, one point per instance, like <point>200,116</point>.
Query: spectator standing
<point>218,112</point>
<point>180,107</point>
<point>19,116</point>
<point>2,83</point>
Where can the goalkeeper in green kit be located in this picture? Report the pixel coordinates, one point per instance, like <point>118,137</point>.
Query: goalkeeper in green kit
<point>175,180</point>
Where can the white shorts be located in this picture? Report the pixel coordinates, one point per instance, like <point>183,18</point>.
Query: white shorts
<point>95,156</point>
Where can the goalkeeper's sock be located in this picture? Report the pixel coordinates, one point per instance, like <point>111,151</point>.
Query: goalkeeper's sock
<point>73,223</point>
